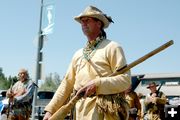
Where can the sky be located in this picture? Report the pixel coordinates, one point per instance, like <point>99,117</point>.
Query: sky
<point>139,27</point>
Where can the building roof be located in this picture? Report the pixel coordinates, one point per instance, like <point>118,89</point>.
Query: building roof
<point>173,90</point>
<point>161,75</point>
<point>170,83</point>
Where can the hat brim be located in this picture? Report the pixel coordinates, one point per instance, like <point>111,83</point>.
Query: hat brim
<point>97,16</point>
<point>151,86</point>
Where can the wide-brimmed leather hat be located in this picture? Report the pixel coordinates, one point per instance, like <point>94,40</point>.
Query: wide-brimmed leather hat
<point>94,12</point>
<point>151,84</point>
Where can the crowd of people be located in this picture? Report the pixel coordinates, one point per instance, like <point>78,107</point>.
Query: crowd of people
<point>104,95</point>
<point>20,94</point>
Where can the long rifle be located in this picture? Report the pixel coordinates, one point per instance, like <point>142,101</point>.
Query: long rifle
<point>159,87</point>
<point>10,99</point>
<point>65,109</point>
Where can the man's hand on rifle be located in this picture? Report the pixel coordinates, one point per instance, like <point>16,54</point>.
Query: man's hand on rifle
<point>47,116</point>
<point>19,92</point>
<point>152,99</point>
<point>10,94</point>
<point>88,90</point>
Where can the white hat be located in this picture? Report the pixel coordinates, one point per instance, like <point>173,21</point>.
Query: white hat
<point>94,12</point>
<point>151,84</point>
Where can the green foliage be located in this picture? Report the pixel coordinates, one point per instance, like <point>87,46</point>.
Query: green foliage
<point>51,82</point>
<point>3,80</point>
<point>6,81</point>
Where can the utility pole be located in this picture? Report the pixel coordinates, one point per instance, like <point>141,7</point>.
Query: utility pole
<point>38,60</point>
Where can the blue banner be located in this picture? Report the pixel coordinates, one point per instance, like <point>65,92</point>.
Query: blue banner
<point>48,17</point>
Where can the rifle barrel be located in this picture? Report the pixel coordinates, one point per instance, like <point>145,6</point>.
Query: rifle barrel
<point>143,58</point>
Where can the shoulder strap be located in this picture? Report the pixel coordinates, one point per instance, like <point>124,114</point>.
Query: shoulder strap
<point>95,68</point>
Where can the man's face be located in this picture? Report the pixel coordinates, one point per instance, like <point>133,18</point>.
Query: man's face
<point>22,76</point>
<point>90,25</point>
<point>153,88</point>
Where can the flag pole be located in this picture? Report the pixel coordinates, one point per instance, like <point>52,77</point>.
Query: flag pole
<point>38,61</point>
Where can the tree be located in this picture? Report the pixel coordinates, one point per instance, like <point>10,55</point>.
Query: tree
<point>51,82</point>
<point>57,79</point>
<point>6,82</point>
<point>3,80</point>
<point>1,72</point>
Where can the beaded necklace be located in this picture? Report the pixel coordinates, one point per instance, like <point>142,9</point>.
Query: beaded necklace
<point>91,47</point>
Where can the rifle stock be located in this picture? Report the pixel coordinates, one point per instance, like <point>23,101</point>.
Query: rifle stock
<point>65,109</point>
